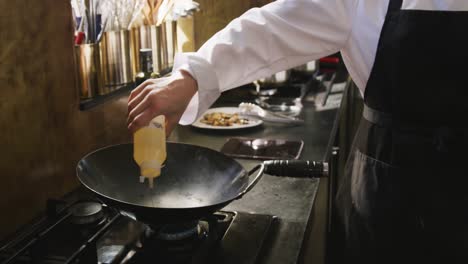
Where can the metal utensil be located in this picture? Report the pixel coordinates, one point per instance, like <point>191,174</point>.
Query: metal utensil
<point>255,111</point>
<point>91,17</point>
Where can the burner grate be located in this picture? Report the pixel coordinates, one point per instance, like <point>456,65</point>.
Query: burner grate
<point>119,239</point>
<point>56,238</point>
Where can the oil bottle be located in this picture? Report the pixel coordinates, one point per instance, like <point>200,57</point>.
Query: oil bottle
<point>149,149</point>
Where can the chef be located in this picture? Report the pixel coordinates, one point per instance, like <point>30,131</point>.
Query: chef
<point>404,196</point>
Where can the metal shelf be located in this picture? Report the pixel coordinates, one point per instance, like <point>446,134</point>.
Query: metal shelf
<point>87,104</point>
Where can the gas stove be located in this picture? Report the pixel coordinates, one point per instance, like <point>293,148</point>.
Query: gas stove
<point>81,229</point>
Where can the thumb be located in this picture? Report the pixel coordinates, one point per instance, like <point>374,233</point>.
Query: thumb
<point>171,123</point>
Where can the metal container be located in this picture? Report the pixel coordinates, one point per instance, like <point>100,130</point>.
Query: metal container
<point>88,71</point>
<point>145,37</point>
<point>276,79</point>
<point>310,67</point>
<point>162,46</point>
<point>162,40</point>
<point>171,41</point>
<point>115,57</point>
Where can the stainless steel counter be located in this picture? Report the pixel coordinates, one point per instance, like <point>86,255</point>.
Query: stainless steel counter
<point>290,199</point>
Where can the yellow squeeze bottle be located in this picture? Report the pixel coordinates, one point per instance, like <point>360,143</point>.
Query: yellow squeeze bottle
<point>149,149</point>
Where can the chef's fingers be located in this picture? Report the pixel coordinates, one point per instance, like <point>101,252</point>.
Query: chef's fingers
<point>145,103</point>
<point>139,89</point>
<point>138,98</point>
<point>141,120</point>
<point>170,125</point>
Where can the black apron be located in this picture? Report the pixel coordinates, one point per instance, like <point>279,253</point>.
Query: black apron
<point>404,196</point>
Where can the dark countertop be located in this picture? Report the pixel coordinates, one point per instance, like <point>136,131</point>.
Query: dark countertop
<point>290,199</point>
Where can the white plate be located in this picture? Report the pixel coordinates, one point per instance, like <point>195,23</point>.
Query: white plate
<point>227,110</point>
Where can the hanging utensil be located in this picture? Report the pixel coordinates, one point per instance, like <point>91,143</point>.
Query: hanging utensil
<point>156,9</point>
<point>91,20</point>
<point>164,10</point>
<point>138,10</point>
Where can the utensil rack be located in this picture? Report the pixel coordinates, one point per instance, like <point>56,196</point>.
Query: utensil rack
<point>106,70</point>
<point>86,104</point>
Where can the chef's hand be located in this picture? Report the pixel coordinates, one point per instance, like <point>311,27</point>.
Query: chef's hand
<point>152,98</point>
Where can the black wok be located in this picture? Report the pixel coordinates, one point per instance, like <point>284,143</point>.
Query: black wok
<point>194,182</point>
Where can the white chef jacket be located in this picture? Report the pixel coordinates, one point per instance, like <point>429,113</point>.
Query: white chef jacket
<point>288,33</point>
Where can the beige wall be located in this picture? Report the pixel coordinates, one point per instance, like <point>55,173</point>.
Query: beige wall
<point>216,14</point>
<point>43,134</point>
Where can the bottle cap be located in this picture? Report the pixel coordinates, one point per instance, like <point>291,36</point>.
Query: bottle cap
<point>146,51</point>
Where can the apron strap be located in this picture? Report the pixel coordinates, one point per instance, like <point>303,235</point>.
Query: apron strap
<point>394,5</point>
<point>376,117</point>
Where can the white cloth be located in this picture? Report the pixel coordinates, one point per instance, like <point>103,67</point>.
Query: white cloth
<point>288,33</point>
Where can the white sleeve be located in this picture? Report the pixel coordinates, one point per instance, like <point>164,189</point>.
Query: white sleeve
<point>263,41</point>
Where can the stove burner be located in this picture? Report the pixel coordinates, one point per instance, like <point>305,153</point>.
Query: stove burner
<point>177,243</point>
<point>176,232</point>
<point>85,213</point>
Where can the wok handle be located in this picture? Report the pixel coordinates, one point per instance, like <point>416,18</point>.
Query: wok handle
<point>296,168</point>
<point>260,168</point>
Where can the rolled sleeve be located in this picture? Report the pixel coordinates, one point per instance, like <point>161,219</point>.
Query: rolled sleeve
<point>208,86</point>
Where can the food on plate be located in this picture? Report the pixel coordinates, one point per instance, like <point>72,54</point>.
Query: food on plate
<point>223,119</point>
